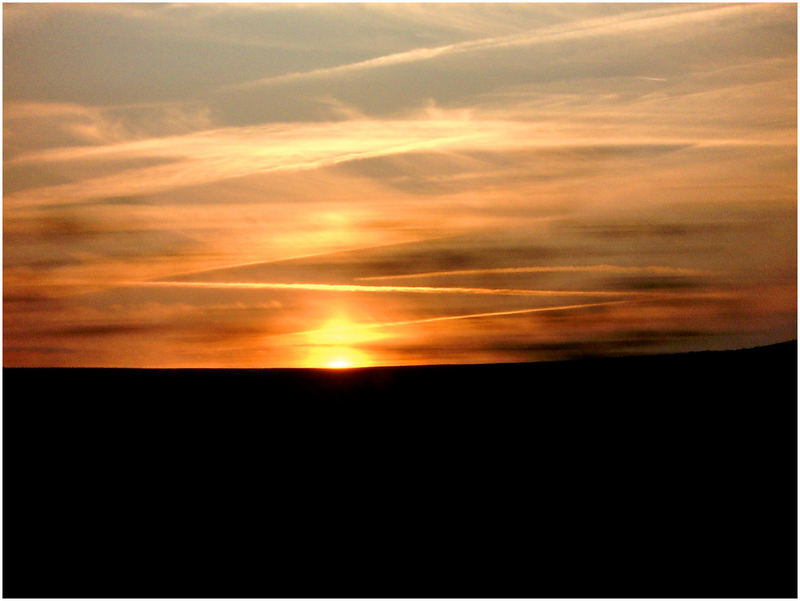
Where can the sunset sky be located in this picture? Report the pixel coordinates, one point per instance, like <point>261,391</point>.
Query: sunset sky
<point>335,185</point>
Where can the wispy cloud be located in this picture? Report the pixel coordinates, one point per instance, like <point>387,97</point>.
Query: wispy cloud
<point>648,270</point>
<point>389,324</point>
<point>415,289</point>
<point>669,16</point>
<point>215,155</point>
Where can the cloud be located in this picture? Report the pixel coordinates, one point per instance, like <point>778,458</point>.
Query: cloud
<point>652,270</point>
<point>590,71</point>
<point>408,289</point>
<point>214,155</point>
<point>387,324</point>
<point>670,16</point>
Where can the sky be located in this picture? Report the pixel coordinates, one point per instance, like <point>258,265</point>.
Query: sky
<point>346,185</point>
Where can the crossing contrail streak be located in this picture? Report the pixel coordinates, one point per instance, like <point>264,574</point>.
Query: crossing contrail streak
<point>652,270</point>
<point>409,289</point>
<point>653,19</point>
<point>423,289</point>
<point>455,317</point>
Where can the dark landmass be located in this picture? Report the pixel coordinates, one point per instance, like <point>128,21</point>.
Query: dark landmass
<point>668,476</point>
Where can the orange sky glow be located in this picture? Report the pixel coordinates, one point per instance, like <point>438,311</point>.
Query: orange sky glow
<point>354,185</point>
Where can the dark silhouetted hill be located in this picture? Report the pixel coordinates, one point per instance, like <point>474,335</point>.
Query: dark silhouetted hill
<point>664,476</point>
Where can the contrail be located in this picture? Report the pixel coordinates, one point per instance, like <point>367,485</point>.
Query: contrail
<point>454,317</point>
<point>652,269</point>
<point>417,289</point>
<point>323,253</point>
<point>365,288</point>
<point>598,26</point>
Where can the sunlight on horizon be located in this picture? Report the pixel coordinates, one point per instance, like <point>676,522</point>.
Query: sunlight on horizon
<point>337,357</point>
<point>339,364</point>
<point>335,344</point>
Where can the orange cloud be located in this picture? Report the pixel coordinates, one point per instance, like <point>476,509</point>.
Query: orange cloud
<point>650,270</point>
<point>415,289</point>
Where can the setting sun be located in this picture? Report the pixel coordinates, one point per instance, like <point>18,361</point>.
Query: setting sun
<point>337,357</point>
<point>339,364</point>
<point>336,344</point>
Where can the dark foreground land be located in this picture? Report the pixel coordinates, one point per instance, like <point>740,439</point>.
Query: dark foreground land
<point>670,476</point>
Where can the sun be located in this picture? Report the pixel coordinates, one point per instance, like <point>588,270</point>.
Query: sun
<point>337,357</point>
<point>340,363</point>
<point>336,345</point>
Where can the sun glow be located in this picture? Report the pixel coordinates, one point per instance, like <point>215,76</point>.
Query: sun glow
<point>339,364</point>
<point>336,345</point>
<point>337,357</point>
